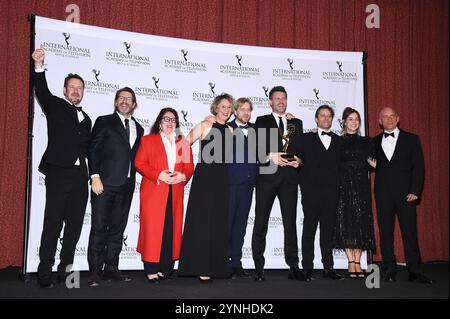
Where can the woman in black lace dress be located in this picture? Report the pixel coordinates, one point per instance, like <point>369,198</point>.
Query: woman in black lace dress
<point>354,225</point>
<point>204,247</point>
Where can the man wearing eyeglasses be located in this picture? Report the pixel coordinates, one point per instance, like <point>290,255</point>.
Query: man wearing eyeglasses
<point>115,140</point>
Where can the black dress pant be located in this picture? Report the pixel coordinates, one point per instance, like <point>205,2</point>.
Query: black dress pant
<point>108,222</point>
<point>66,199</point>
<point>165,265</point>
<point>387,204</point>
<point>287,194</point>
<point>319,207</point>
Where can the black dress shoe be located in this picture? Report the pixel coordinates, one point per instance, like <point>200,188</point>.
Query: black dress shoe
<point>239,272</point>
<point>46,282</point>
<point>94,280</point>
<point>259,276</point>
<point>205,281</point>
<point>421,278</point>
<point>390,276</point>
<point>115,276</point>
<point>296,274</point>
<point>309,274</point>
<point>61,278</point>
<point>330,273</point>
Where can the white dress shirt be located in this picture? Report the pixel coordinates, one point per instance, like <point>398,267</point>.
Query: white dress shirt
<point>284,120</point>
<point>325,139</point>
<point>244,130</point>
<point>133,133</point>
<point>388,143</point>
<point>171,150</point>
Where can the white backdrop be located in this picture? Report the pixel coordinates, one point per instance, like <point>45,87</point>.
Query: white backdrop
<point>185,75</point>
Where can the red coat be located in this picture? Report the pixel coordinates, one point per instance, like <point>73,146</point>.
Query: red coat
<point>150,160</point>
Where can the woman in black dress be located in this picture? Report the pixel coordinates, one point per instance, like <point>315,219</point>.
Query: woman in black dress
<point>204,247</point>
<point>354,224</point>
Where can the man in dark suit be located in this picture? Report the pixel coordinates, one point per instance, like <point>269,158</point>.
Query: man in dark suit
<point>115,140</point>
<point>398,183</point>
<point>319,180</point>
<point>65,170</point>
<point>274,131</point>
<point>242,171</point>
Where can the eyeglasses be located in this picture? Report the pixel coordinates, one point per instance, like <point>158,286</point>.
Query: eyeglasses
<point>169,119</point>
<point>125,98</point>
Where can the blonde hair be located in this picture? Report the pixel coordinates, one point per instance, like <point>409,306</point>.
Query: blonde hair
<point>217,99</point>
<point>241,101</point>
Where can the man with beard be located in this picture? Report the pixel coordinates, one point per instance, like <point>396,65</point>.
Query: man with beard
<point>115,140</point>
<point>65,170</point>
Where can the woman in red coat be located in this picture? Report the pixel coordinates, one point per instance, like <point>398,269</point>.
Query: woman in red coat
<point>164,160</point>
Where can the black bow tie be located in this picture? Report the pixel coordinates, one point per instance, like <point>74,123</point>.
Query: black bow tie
<point>389,134</point>
<point>79,108</point>
<point>246,126</point>
<point>326,133</point>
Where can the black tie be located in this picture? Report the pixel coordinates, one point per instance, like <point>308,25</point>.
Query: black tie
<point>127,128</point>
<point>389,134</point>
<point>79,108</point>
<point>281,125</point>
<point>326,133</point>
<point>244,126</point>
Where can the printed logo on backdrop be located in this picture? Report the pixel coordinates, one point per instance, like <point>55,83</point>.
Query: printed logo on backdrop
<point>41,180</point>
<point>157,91</point>
<point>87,218</point>
<point>261,101</point>
<point>251,221</point>
<point>145,123</point>
<point>65,49</point>
<point>339,75</point>
<point>241,69</point>
<point>184,64</point>
<point>136,218</point>
<point>128,251</point>
<point>206,96</point>
<point>292,73</point>
<point>80,251</point>
<point>127,58</point>
<point>339,254</point>
<point>247,252</point>
<point>275,221</point>
<point>314,100</point>
<point>185,125</point>
<point>137,187</point>
<point>278,251</point>
<point>97,86</point>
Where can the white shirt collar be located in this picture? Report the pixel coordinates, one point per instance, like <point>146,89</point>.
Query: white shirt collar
<point>238,123</point>
<point>278,116</point>
<point>122,118</point>
<point>172,136</point>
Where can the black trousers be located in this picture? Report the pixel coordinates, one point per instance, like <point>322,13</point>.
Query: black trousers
<point>265,195</point>
<point>166,263</point>
<point>109,219</point>
<point>66,199</point>
<point>387,204</point>
<point>318,210</point>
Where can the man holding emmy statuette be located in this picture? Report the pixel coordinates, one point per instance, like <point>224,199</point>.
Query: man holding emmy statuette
<point>279,160</point>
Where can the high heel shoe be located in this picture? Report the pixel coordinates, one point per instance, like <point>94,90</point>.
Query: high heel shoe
<point>351,274</point>
<point>359,274</point>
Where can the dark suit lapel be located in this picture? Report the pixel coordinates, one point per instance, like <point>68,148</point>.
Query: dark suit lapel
<point>398,146</point>
<point>139,133</point>
<point>118,126</point>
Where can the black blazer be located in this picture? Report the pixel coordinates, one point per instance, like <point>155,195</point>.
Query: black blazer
<point>265,123</point>
<point>110,153</point>
<point>248,170</point>
<point>68,139</point>
<point>319,171</point>
<point>404,174</point>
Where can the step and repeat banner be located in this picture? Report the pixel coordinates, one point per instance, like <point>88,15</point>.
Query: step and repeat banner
<point>185,75</point>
